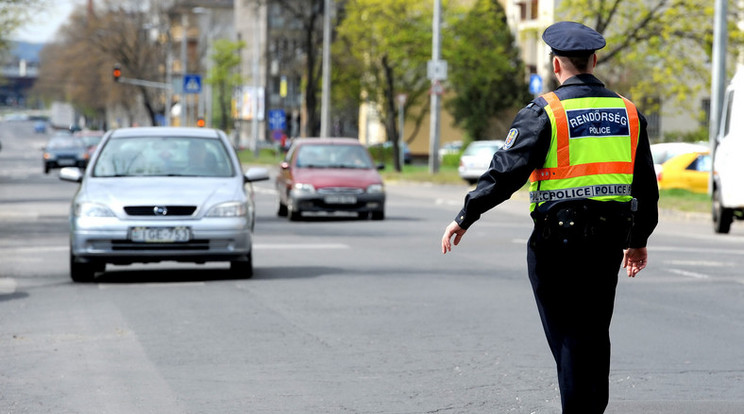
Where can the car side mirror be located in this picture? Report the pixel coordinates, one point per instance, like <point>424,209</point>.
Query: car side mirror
<point>381,166</point>
<point>256,174</point>
<point>72,174</point>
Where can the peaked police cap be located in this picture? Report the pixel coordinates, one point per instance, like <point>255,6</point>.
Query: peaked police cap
<point>572,39</point>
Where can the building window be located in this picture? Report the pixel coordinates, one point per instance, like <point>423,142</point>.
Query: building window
<point>527,9</point>
<point>705,103</point>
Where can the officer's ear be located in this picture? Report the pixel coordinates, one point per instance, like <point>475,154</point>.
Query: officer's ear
<point>594,60</point>
<point>556,65</point>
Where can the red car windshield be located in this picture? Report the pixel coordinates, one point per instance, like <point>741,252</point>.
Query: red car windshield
<point>333,156</point>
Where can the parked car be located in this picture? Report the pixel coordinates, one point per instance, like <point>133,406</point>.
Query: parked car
<point>448,148</point>
<point>664,151</point>
<point>689,171</point>
<point>476,158</point>
<point>64,150</point>
<point>162,194</point>
<point>329,175</point>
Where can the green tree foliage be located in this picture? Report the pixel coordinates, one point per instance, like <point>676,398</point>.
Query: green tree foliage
<point>225,75</point>
<point>485,70</point>
<point>77,68</point>
<point>657,50</point>
<point>385,43</point>
<point>13,14</point>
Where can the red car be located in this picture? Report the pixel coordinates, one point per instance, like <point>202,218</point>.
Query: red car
<point>329,175</point>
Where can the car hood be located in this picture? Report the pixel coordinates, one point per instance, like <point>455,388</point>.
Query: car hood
<point>337,177</point>
<point>118,192</point>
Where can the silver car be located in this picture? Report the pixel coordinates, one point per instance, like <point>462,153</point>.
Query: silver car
<point>476,159</point>
<point>162,194</point>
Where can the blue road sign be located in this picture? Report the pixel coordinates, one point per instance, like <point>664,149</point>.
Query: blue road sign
<point>192,83</point>
<point>277,119</point>
<point>535,84</point>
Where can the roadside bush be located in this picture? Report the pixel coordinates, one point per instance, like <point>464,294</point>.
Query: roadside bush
<point>701,134</point>
<point>451,160</point>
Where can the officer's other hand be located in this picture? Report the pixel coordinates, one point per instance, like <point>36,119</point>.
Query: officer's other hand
<point>635,260</point>
<point>452,229</point>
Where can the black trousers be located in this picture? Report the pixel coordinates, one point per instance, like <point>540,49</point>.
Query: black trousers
<point>574,285</point>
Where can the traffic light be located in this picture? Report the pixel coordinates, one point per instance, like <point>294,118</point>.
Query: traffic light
<point>200,122</point>
<point>117,73</point>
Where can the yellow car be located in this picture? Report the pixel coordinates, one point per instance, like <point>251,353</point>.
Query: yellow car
<point>689,171</point>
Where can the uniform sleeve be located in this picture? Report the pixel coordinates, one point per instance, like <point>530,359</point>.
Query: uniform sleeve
<point>510,167</point>
<point>645,189</point>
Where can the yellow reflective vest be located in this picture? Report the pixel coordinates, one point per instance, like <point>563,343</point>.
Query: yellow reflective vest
<point>592,150</point>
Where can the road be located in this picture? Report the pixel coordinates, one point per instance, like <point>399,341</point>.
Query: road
<point>346,316</point>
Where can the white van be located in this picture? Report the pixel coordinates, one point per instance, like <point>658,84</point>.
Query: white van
<point>727,184</point>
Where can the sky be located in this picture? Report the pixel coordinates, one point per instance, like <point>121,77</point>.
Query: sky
<point>44,24</point>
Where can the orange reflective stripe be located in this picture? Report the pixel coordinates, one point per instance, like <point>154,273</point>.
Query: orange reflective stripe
<point>561,127</point>
<point>635,126</point>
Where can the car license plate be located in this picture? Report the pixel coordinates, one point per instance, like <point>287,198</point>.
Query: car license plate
<point>160,234</point>
<point>340,199</point>
<point>65,161</point>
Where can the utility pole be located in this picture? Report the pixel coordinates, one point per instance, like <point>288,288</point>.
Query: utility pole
<point>325,102</point>
<point>182,101</point>
<point>255,80</point>
<point>434,73</point>
<point>718,71</point>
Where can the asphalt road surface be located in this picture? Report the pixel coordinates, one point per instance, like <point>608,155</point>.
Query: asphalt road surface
<point>347,316</point>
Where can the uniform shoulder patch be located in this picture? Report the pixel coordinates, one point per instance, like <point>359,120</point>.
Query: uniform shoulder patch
<point>510,138</point>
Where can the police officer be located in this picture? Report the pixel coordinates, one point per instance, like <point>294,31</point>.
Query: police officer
<point>593,197</point>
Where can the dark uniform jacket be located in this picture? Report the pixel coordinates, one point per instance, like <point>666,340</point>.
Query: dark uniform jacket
<point>510,168</point>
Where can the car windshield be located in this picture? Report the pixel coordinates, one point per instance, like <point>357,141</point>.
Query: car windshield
<point>163,156</point>
<point>482,149</point>
<point>91,140</point>
<point>64,142</point>
<point>333,156</point>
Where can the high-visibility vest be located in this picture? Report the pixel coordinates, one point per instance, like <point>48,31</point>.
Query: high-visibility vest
<point>592,150</point>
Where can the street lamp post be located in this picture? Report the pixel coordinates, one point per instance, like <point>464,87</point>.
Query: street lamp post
<point>184,22</point>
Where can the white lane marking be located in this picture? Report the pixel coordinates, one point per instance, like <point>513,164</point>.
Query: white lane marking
<point>442,201</point>
<point>264,190</point>
<point>695,250</point>
<point>687,273</point>
<point>701,263</point>
<point>262,246</point>
<point>9,251</point>
<point>8,285</point>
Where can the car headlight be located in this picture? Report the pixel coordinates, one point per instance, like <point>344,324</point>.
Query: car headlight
<point>92,210</point>
<point>304,188</point>
<point>376,189</point>
<point>229,209</point>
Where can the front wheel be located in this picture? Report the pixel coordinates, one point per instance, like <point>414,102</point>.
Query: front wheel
<point>282,211</point>
<point>378,215</point>
<point>242,269</point>
<point>293,213</point>
<point>722,217</point>
<point>82,272</point>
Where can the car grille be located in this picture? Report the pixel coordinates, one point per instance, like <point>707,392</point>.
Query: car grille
<point>160,210</point>
<point>340,190</point>
<point>129,245</point>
